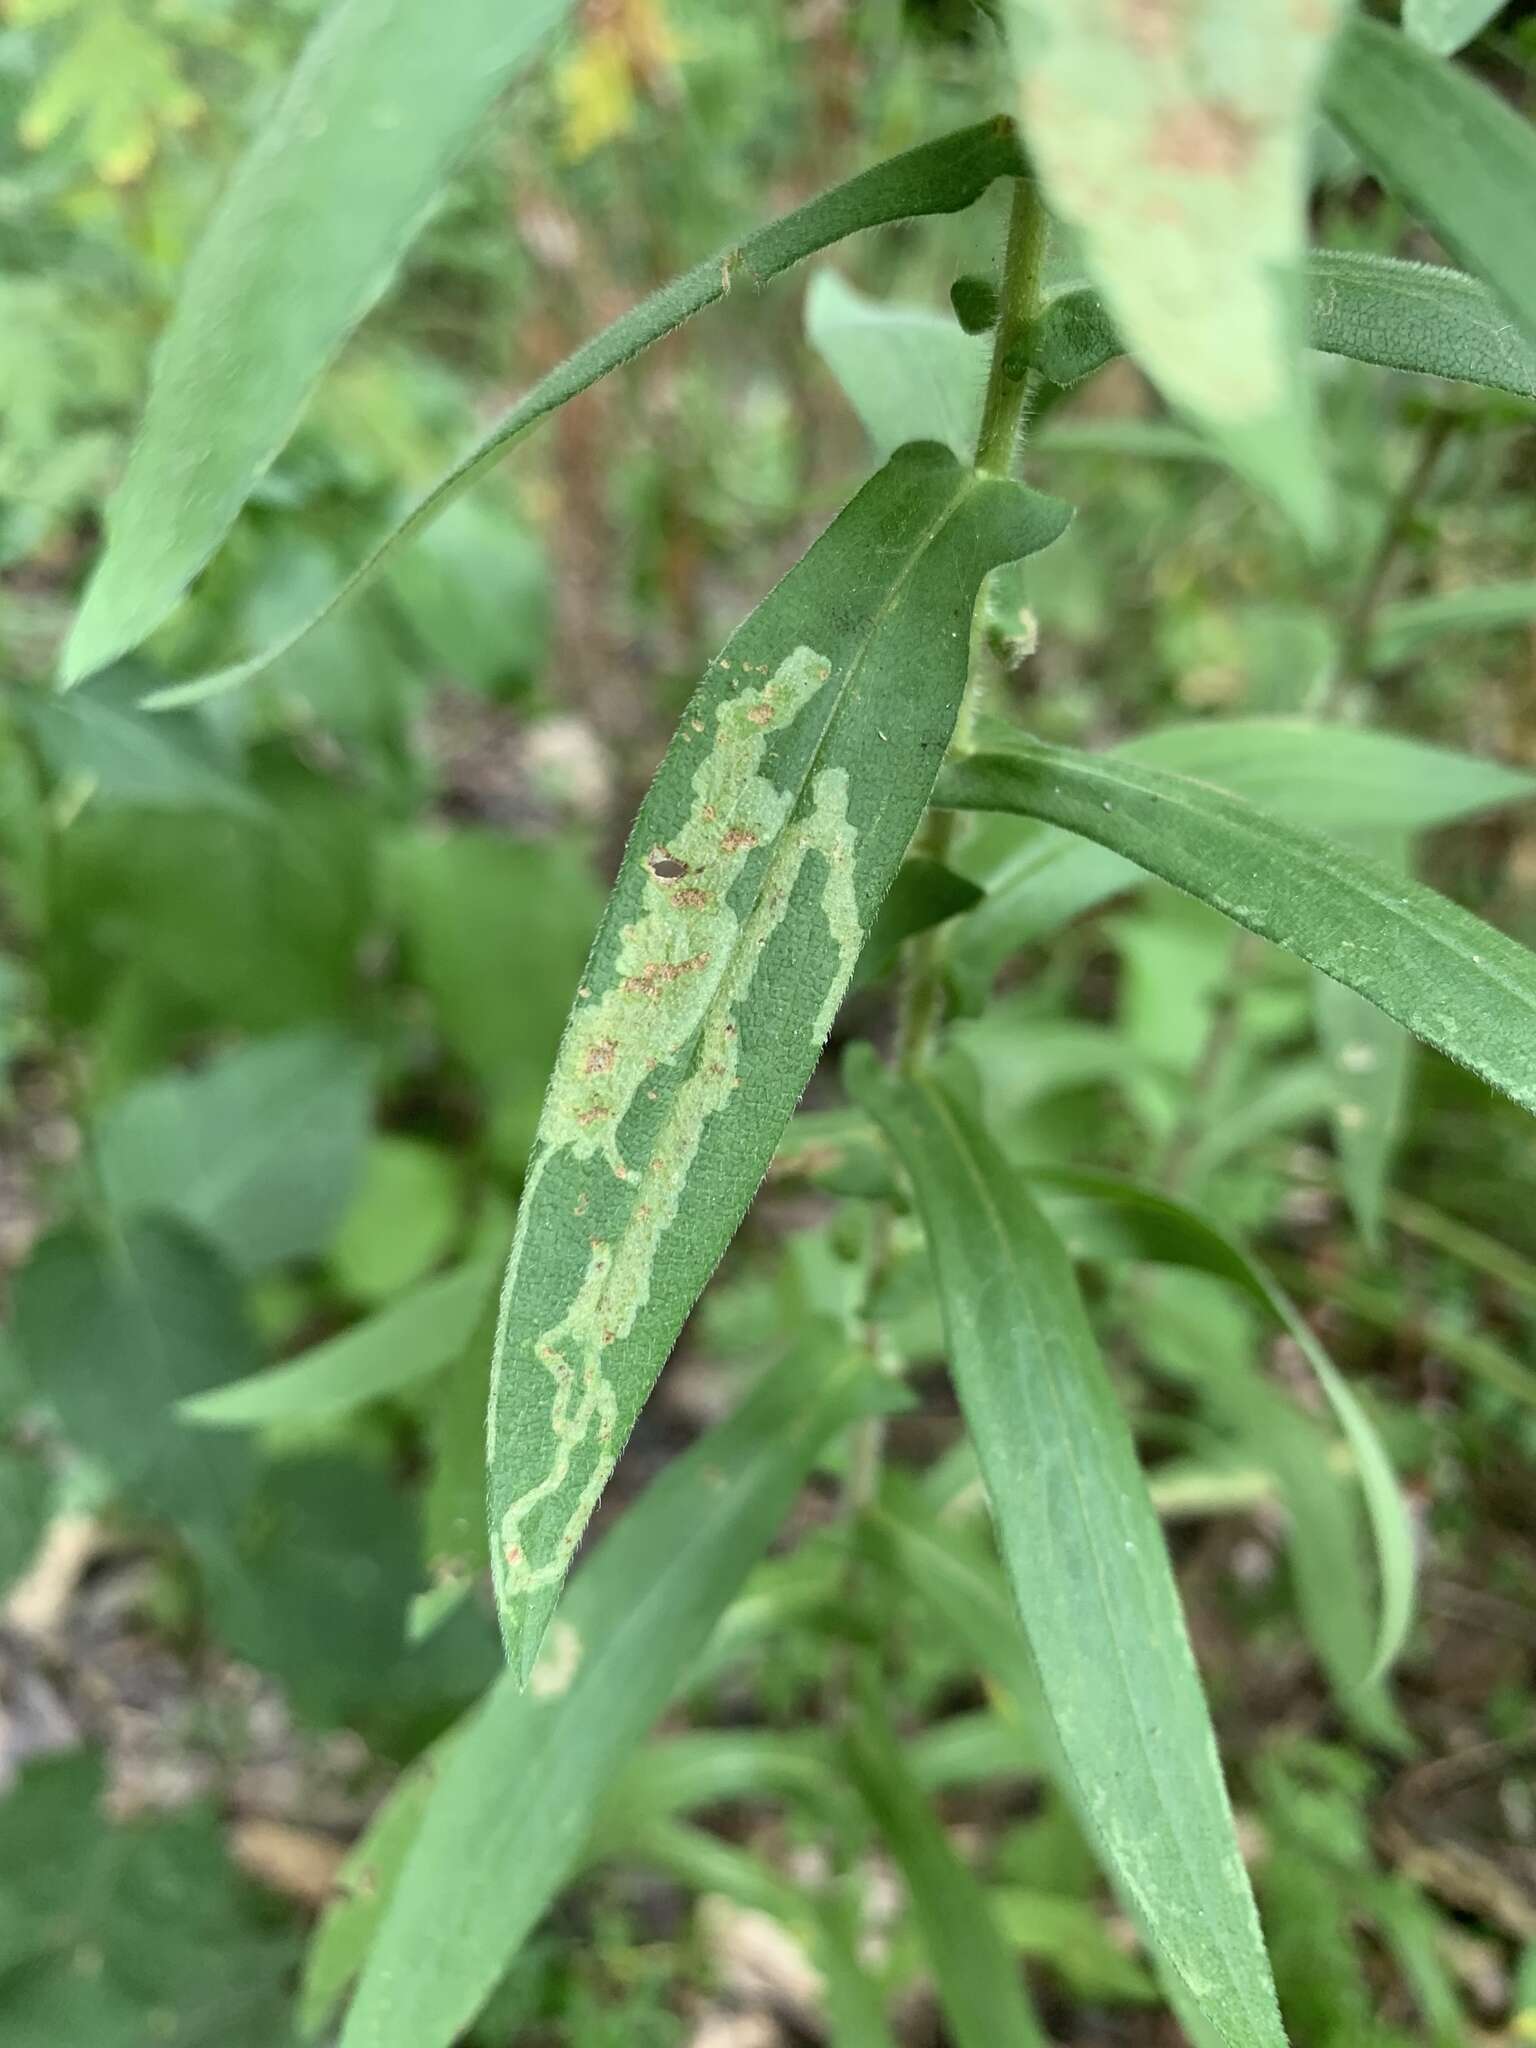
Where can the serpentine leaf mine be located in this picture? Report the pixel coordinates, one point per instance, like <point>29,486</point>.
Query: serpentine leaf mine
<point>759,859</point>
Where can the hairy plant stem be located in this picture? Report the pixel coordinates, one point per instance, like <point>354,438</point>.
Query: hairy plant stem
<point>1008,379</point>
<point>920,1004</point>
<point>921,1007</point>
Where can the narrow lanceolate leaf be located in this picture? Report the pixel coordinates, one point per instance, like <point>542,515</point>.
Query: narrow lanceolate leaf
<point>1086,1559</point>
<point>943,176</point>
<point>1334,778</point>
<point>1423,317</point>
<point>1175,140</point>
<point>113,1331</point>
<point>1461,157</point>
<point>418,1334</point>
<point>1459,984</point>
<point>1099,1215</point>
<point>974,1973</point>
<point>510,1813</point>
<point>1401,629</point>
<point>305,238</point>
<point>752,878</point>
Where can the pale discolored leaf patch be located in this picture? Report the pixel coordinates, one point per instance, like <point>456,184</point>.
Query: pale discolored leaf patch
<point>1172,134</point>
<point>752,880</point>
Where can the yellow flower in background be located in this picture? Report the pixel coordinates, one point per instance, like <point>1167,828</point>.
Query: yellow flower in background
<point>629,48</point>
<point>119,80</point>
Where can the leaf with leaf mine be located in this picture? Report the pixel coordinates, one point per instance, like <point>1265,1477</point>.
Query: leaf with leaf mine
<point>1173,135</point>
<point>751,881</point>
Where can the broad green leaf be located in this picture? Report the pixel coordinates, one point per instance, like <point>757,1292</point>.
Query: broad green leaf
<point>1337,778</point>
<point>511,1808</point>
<point>909,374</point>
<point>114,1934</point>
<point>495,930</point>
<point>1422,317</point>
<point>101,737</point>
<point>402,1220</point>
<point>475,595</point>
<point>925,893</point>
<point>150,901</point>
<point>943,176</point>
<point>1101,1215</point>
<point>1446,26</point>
<point>1457,983</point>
<point>751,881</point>
<point>260,1151</point>
<point>1401,629</point>
<point>978,1982</point>
<point>1368,1056</point>
<point>304,240</point>
<point>1461,156</point>
<point>1085,1557</point>
<point>419,1334</point>
<point>316,1585</point>
<point>1174,140</point>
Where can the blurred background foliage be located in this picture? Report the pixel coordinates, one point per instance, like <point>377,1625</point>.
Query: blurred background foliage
<point>281,979</point>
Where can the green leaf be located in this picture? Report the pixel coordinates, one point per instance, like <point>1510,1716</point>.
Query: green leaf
<point>909,374</point>
<point>509,1814</point>
<point>925,893</point>
<point>154,898</point>
<point>101,736</point>
<point>475,595</point>
<point>1337,778</point>
<point>260,1151</point>
<point>115,1934</point>
<point>1443,1335</point>
<point>453,1512</point>
<point>1422,317</point>
<point>1446,26</point>
<point>1401,629</point>
<point>1461,157</point>
<point>1085,1557</point>
<point>1368,1056</point>
<point>362,1889</point>
<point>943,176</point>
<point>304,239</point>
<point>26,1495</point>
<point>1100,1215</point>
<point>750,884</point>
<point>401,1221</point>
<point>113,1333</point>
<point>417,1335</point>
<point>1459,984</point>
<point>1198,1332</point>
<point>495,930</point>
<point>978,1982</point>
<point>316,1586</point>
<point>1175,143</point>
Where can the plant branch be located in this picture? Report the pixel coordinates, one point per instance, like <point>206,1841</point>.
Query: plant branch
<point>1360,612</point>
<point>1009,377</point>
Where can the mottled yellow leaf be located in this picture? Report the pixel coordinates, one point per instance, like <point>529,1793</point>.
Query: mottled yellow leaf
<point>1172,134</point>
